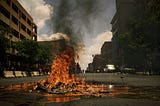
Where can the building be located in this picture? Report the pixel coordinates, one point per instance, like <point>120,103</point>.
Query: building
<point>106,53</point>
<point>19,22</point>
<point>97,63</point>
<point>125,10</point>
<point>90,68</point>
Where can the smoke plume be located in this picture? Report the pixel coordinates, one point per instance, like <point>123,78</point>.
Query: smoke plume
<point>82,21</point>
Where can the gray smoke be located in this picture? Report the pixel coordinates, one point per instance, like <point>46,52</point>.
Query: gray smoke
<point>80,19</point>
<point>85,22</point>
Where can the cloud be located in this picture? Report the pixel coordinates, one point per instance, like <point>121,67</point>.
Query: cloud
<point>43,37</point>
<point>90,31</point>
<point>40,12</point>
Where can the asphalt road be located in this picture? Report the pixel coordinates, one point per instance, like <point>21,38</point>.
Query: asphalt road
<point>20,80</point>
<point>123,79</point>
<point>151,98</point>
<point>109,78</point>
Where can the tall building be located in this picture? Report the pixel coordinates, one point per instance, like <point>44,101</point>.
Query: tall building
<point>19,22</point>
<point>19,25</point>
<point>125,10</point>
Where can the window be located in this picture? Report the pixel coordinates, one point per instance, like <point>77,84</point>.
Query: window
<point>34,29</point>
<point>15,33</point>
<point>8,2</point>
<point>4,25</point>
<point>23,27</point>
<point>4,12</point>
<point>28,32</point>
<point>34,38</point>
<point>15,20</point>
<point>29,22</point>
<point>15,8</point>
<point>24,17</point>
<point>22,37</point>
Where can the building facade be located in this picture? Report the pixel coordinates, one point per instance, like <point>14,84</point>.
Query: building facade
<point>106,52</point>
<point>19,25</point>
<point>19,22</point>
<point>125,10</point>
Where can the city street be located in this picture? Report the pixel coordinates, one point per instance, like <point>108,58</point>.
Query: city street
<point>80,53</point>
<point>143,91</point>
<point>123,79</point>
<point>108,78</point>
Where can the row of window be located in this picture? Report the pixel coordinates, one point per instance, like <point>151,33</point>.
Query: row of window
<point>6,13</point>
<point>23,27</point>
<point>14,32</point>
<point>15,20</point>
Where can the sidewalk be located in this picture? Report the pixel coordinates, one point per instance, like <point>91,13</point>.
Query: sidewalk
<point>20,80</point>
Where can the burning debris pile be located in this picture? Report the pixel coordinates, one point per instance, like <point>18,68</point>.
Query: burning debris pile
<point>61,81</point>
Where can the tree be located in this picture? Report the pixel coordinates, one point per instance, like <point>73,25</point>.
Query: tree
<point>143,35</point>
<point>28,50</point>
<point>4,44</point>
<point>44,55</point>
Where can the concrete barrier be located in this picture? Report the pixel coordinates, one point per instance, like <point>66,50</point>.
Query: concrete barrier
<point>9,74</point>
<point>24,74</point>
<point>35,73</point>
<point>18,73</point>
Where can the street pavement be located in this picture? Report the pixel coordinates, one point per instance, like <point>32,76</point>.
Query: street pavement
<point>147,82</point>
<point>108,78</point>
<point>123,79</point>
<point>20,80</point>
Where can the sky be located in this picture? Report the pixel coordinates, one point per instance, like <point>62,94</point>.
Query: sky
<point>87,23</point>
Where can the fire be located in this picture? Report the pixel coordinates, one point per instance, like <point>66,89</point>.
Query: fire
<point>60,70</point>
<point>61,81</point>
<point>62,85</point>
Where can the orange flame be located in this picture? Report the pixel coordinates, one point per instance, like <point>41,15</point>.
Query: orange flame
<point>60,69</point>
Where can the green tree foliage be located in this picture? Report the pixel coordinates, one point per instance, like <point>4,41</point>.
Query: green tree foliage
<point>28,50</point>
<point>4,43</point>
<point>33,53</point>
<point>144,27</point>
<point>44,55</point>
<point>143,35</point>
